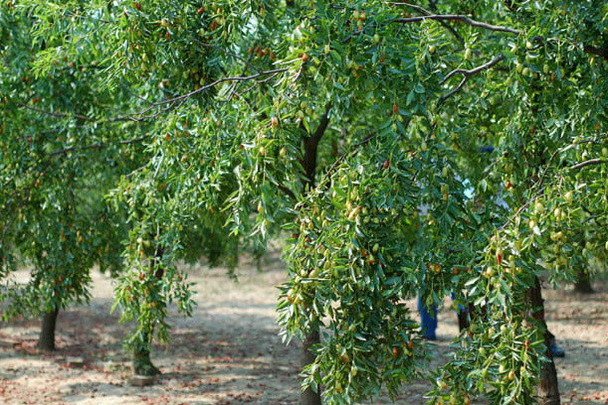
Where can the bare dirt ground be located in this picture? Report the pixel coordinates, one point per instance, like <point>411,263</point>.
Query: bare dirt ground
<point>229,352</point>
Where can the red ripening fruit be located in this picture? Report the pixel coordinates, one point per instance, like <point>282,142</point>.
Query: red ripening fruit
<point>200,10</point>
<point>455,271</point>
<point>395,108</point>
<point>508,186</point>
<point>410,345</point>
<point>386,164</point>
<point>137,6</point>
<point>304,57</point>
<point>499,258</point>
<point>395,352</point>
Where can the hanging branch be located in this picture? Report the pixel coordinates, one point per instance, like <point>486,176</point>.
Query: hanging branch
<point>173,100</point>
<point>167,103</point>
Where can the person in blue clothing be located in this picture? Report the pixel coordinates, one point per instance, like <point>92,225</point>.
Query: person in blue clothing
<point>428,319</point>
<point>428,326</point>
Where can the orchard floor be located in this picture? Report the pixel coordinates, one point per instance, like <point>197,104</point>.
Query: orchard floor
<point>229,351</point>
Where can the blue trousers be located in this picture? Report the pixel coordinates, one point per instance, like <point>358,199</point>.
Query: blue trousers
<point>428,320</point>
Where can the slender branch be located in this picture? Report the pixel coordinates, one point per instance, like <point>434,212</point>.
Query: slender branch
<point>287,191</point>
<point>167,104</point>
<point>443,23</point>
<point>55,114</point>
<point>466,75</point>
<point>457,17</point>
<point>589,162</point>
<point>473,71</point>
<point>521,209</point>
<point>173,100</point>
<point>602,52</point>
<point>99,145</point>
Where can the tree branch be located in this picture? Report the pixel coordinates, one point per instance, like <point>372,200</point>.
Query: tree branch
<point>167,103</point>
<point>99,145</point>
<point>55,114</point>
<point>589,162</point>
<point>466,75</point>
<point>311,143</point>
<point>602,52</point>
<point>173,100</point>
<point>443,23</point>
<point>457,17</point>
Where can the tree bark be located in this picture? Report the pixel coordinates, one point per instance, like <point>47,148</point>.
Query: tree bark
<point>583,282</point>
<point>142,365</point>
<point>308,396</point>
<point>548,390</point>
<point>309,163</point>
<point>141,362</point>
<point>463,319</point>
<point>46,340</point>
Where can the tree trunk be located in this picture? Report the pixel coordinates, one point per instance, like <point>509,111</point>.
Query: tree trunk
<point>583,282</point>
<point>308,396</point>
<point>309,163</point>
<point>142,365</point>
<point>46,340</point>
<point>463,319</point>
<point>548,390</point>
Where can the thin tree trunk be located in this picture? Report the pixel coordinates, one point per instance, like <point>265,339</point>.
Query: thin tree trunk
<point>141,362</point>
<point>142,365</point>
<point>548,390</point>
<point>309,163</point>
<point>46,340</point>
<point>308,396</point>
<point>463,319</point>
<point>583,282</point>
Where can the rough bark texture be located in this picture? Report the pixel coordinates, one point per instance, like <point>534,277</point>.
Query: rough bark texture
<point>46,340</point>
<point>583,282</point>
<point>308,396</point>
<point>548,390</point>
